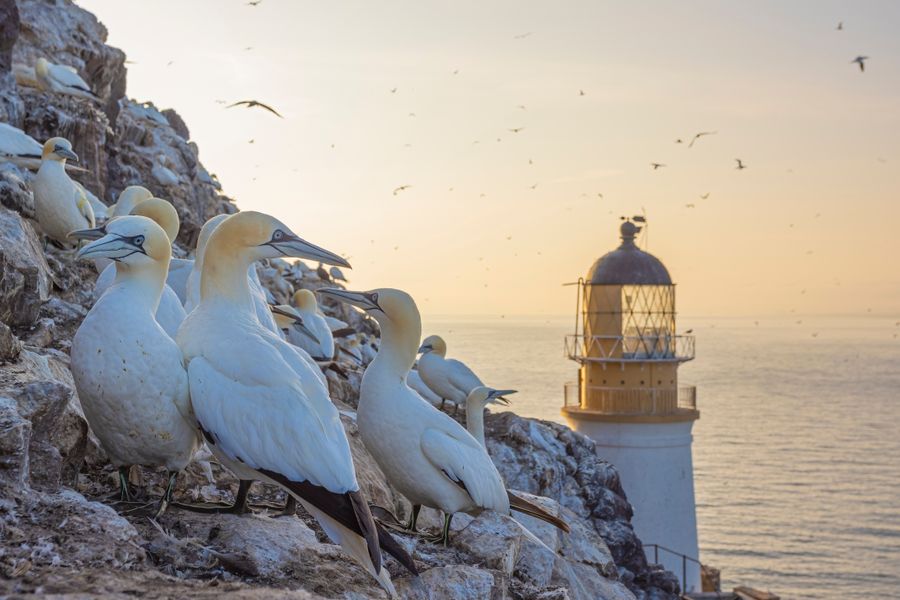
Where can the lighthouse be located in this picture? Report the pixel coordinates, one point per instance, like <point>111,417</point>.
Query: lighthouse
<point>628,399</point>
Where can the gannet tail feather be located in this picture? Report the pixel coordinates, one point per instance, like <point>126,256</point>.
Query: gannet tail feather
<point>533,510</point>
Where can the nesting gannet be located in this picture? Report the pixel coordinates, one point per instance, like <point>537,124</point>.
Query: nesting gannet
<point>128,371</point>
<point>162,173</point>
<point>450,379</point>
<point>336,274</point>
<point>100,210</point>
<point>425,454</point>
<point>57,205</point>
<point>61,78</point>
<point>261,407</point>
<point>18,147</point>
<point>414,380</point>
<point>307,307</point>
<point>128,199</point>
<point>170,312</point>
<point>293,328</point>
<point>476,402</point>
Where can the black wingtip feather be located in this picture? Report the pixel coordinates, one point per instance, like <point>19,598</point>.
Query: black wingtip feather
<point>392,547</point>
<point>524,506</point>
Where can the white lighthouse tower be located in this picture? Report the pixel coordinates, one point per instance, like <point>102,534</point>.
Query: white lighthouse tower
<point>628,399</point>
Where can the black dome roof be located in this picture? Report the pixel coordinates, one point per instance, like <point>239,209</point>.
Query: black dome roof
<point>628,264</point>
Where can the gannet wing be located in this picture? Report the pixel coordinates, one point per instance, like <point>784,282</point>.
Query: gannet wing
<point>84,205</point>
<point>466,463</point>
<point>68,77</point>
<point>17,143</point>
<point>461,377</point>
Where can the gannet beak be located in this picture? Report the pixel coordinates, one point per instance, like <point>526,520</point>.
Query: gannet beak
<point>112,246</point>
<point>291,245</point>
<point>363,300</point>
<point>88,234</point>
<point>497,396</point>
<point>65,153</point>
<point>298,322</point>
<point>424,349</point>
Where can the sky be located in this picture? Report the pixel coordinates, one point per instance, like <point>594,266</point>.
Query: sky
<point>426,94</point>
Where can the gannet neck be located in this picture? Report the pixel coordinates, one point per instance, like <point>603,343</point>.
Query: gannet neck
<point>224,273</point>
<point>54,166</point>
<point>475,421</point>
<point>399,343</point>
<point>143,283</point>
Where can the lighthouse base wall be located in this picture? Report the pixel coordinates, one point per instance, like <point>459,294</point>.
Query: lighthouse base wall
<point>656,468</point>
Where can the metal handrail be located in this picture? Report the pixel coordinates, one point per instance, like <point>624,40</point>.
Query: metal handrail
<point>633,401</point>
<point>630,348</point>
<point>684,561</point>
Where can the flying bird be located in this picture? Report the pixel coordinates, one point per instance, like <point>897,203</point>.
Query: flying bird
<point>697,136</point>
<point>679,141</point>
<point>740,164</point>
<point>861,60</point>
<point>656,165</point>
<point>401,188</point>
<point>534,186</point>
<point>581,92</point>
<point>516,129</point>
<point>393,90</point>
<point>704,196</point>
<point>254,2</point>
<point>689,206</point>
<point>840,26</point>
<point>254,103</point>
<point>522,36</point>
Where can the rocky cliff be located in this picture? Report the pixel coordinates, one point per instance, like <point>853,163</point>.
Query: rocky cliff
<point>58,532</point>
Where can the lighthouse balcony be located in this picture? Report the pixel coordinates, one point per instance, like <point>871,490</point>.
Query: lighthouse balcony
<point>602,401</point>
<point>629,348</point>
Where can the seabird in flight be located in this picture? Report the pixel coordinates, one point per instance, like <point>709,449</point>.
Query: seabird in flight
<point>253,103</point>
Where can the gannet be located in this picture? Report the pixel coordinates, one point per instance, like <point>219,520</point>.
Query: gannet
<point>128,199</point>
<point>162,173</point>
<point>170,312</point>
<point>257,293</point>
<point>57,205</point>
<point>450,379</point>
<point>293,329</point>
<point>476,402</point>
<point>61,78</point>
<point>424,453</point>
<point>319,343</point>
<point>100,210</point>
<point>128,371</point>
<point>336,274</point>
<point>262,409</point>
<point>18,147</point>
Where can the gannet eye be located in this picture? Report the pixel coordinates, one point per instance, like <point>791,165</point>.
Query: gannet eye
<point>278,235</point>
<point>138,240</point>
<point>374,298</point>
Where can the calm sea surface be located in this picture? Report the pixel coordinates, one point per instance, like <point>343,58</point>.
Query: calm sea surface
<point>796,453</point>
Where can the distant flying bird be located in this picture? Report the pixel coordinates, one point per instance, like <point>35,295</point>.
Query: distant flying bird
<point>253,2</point>
<point>516,129</point>
<point>656,165</point>
<point>456,71</point>
<point>393,90</point>
<point>740,165</point>
<point>254,103</point>
<point>599,195</point>
<point>840,26</point>
<point>689,206</point>
<point>401,188</point>
<point>861,60</point>
<point>522,36</point>
<point>697,136</point>
<point>581,92</point>
<point>522,106</point>
<point>679,141</point>
<point>689,332</point>
<point>704,196</point>
<point>534,186</point>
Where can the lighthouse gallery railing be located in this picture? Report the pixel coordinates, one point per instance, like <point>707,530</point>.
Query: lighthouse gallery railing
<point>639,401</point>
<point>619,348</point>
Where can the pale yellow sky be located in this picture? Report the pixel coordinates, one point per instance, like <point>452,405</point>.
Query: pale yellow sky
<point>809,226</point>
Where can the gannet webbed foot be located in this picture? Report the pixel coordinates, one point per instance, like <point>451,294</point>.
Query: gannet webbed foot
<point>444,536</point>
<point>240,506</point>
<point>289,510</point>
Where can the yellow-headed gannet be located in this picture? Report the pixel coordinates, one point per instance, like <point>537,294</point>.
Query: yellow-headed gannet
<point>58,206</point>
<point>61,78</point>
<point>425,454</point>
<point>170,312</point>
<point>293,328</point>
<point>257,293</point>
<point>308,308</point>
<point>128,371</point>
<point>128,199</point>
<point>476,402</point>
<point>414,380</point>
<point>260,405</point>
<point>450,379</point>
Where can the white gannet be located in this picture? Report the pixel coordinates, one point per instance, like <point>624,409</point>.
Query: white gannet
<point>61,78</point>
<point>128,199</point>
<point>162,173</point>
<point>414,380</point>
<point>170,312</point>
<point>424,453</point>
<point>257,292</point>
<point>336,274</point>
<point>308,308</point>
<point>128,371</point>
<point>294,329</point>
<point>450,379</point>
<point>58,206</point>
<point>18,147</point>
<point>261,407</point>
<point>476,402</point>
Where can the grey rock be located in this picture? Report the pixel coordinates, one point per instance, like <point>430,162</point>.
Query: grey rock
<point>450,583</point>
<point>15,193</point>
<point>10,346</point>
<point>15,438</point>
<point>24,273</point>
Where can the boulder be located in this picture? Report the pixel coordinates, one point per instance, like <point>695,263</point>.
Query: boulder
<point>24,273</point>
<point>458,582</point>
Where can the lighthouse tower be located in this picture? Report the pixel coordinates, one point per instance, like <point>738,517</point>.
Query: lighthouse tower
<point>628,399</point>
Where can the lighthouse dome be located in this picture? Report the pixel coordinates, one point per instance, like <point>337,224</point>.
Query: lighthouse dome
<point>628,264</point>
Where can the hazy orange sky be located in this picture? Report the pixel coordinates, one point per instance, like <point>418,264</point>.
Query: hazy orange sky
<point>809,226</point>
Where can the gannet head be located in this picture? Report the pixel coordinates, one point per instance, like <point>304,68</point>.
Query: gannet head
<point>129,198</point>
<point>58,149</point>
<point>482,396</point>
<point>286,317</point>
<point>207,231</point>
<point>259,236</point>
<point>385,305</point>
<point>434,343</point>
<point>305,300</point>
<point>131,241</point>
<point>41,66</point>
<point>162,213</point>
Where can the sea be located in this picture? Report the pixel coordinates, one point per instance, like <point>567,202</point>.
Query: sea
<point>796,453</point>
